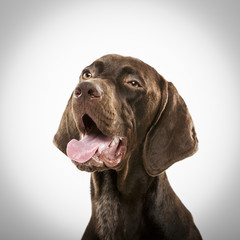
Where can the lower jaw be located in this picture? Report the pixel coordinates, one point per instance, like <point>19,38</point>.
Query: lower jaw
<point>96,164</point>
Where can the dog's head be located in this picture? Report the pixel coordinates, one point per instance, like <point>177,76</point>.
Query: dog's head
<point>119,105</point>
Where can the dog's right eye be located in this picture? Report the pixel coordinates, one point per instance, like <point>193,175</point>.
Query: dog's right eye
<point>86,75</point>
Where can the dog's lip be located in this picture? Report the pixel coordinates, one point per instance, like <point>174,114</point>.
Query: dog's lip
<point>121,145</point>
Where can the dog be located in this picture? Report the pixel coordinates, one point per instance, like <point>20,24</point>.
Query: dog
<point>126,125</point>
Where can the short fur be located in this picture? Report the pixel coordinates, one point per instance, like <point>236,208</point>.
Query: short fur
<point>134,199</point>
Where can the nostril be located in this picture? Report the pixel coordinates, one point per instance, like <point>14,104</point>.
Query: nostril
<point>94,93</point>
<point>77,92</point>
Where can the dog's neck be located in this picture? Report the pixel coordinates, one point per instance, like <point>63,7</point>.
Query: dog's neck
<point>105,199</point>
<point>114,191</point>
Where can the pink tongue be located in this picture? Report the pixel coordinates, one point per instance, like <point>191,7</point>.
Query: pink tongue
<point>83,150</point>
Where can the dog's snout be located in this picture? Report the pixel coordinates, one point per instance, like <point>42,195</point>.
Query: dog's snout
<point>88,90</point>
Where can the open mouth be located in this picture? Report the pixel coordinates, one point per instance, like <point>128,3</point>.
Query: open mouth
<point>104,150</point>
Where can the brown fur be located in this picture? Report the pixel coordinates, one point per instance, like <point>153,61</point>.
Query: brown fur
<point>133,200</point>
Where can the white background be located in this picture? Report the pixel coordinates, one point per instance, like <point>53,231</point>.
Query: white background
<point>43,47</point>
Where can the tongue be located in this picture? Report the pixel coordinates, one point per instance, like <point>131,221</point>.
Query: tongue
<point>83,150</point>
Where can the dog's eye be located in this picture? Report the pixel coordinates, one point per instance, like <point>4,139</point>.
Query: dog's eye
<point>134,84</point>
<point>86,75</point>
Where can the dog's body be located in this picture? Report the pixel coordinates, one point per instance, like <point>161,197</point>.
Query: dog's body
<point>132,125</point>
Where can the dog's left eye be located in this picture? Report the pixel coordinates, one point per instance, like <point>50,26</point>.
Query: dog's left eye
<point>86,75</point>
<point>134,84</point>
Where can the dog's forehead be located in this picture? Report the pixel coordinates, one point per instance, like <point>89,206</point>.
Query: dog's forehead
<point>113,64</point>
<point>118,60</point>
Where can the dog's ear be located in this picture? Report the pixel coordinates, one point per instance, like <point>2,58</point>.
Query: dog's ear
<point>172,136</point>
<point>67,129</point>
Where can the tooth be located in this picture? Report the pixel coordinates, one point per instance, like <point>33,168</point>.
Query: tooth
<point>112,144</point>
<point>114,141</point>
<point>82,136</point>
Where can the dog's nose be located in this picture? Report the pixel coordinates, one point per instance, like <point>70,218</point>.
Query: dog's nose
<point>88,90</point>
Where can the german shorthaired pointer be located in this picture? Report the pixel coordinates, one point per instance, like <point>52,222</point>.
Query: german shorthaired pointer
<point>126,125</point>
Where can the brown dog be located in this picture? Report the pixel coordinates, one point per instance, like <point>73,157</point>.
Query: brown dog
<point>126,124</point>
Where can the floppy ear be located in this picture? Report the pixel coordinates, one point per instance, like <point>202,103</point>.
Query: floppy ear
<point>172,137</point>
<point>67,129</point>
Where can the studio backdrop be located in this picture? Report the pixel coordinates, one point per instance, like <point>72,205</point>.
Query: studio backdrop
<point>44,46</point>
